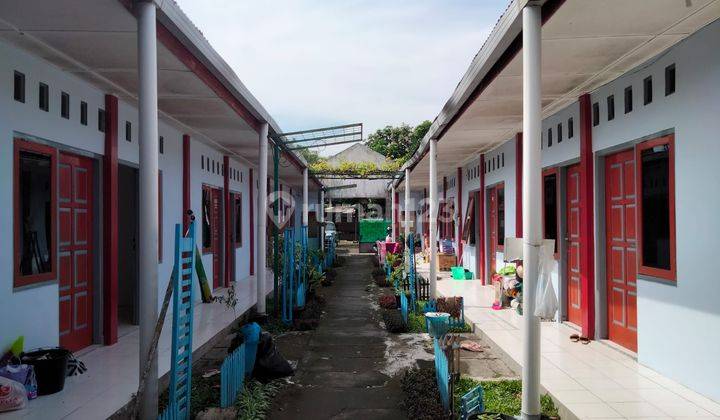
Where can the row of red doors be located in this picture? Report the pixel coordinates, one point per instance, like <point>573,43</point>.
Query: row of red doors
<point>621,247</point>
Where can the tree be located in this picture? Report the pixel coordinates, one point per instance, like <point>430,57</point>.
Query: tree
<point>310,156</point>
<point>398,143</point>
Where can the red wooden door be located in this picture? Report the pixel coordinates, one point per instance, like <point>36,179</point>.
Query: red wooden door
<point>572,220</point>
<point>75,251</point>
<point>215,236</point>
<point>621,250</point>
<point>493,227</point>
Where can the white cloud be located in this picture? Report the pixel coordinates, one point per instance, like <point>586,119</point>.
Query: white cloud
<point>317,63</point>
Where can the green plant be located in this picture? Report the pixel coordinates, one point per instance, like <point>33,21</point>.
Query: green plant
<point>416,323</point>
<point>394,322</point>
<point>256,399</point>
<point>387,302</point>
<point>502,397</point>
<point>230,299</point>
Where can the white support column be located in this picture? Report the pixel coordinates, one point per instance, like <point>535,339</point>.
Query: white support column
<point>148,211</point>
<point>393,220</point>
<point>407,207</point>
<point>321,212</point>
<point>433,218</point>
<point>531,211</point>
<point>261,235</point>
<point>305,198</point>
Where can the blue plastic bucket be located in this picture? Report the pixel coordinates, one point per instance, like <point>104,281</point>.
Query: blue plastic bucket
<point>251,333</point>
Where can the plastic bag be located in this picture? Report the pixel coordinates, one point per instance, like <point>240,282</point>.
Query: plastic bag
<point>12,395</point>
<point>270,364</point>
<point>24,374</point>
<point>546,303</point>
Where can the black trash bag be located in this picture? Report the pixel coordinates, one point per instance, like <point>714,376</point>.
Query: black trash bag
<point>269,363</point>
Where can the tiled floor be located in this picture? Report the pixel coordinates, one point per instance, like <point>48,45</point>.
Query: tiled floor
<point>589,381</point>
<point>112,374</point>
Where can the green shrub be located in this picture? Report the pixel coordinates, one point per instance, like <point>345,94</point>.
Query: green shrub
<point>504,397</point>
<point>394,322</point>
<point>256,399</point>
<point>421,395</point>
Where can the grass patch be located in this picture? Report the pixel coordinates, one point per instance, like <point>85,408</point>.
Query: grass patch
<point>205,393</point>
<point>502,397</point>
<point>256,399</point>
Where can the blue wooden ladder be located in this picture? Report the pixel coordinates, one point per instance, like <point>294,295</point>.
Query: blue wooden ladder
<point>181,362</point>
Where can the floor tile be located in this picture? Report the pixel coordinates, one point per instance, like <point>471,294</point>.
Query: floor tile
<point>636,409</point>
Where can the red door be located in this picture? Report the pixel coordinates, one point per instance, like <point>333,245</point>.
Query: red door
<point>75,251</point>
<point>621,251</point>
<point>216,237</point>
<point>572,220</point>
<point>493,227</point>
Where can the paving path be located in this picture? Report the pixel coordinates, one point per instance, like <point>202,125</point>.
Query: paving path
<point>339,373</point>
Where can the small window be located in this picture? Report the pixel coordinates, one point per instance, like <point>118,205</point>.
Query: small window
<point>237,200</point>
<point>550,207</point>
<point>559,133</point>
<point>503,164</point>
<point>628,99</point>
<point>44,99</point>
<point>500,216</point>
<point>202,162</point>
<point>596,114</point>
<point>647,90</point>
<point>65,105</point>
<point>656,209</point>
<point>19,87</point>
<point>571,128</point>
<point>207,164</point>
<point>83,113</point>
<point>206,220</point>
<point>549,137</point>
<point>101,120</point>
<point>128,131</point>
<point>670,79</point>
<point>161,144</point>
<point>611,107</point>
<point>35,218</point>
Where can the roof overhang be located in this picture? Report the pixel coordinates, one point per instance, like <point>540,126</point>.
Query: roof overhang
<point>584,46</point>
<point>197,90</point>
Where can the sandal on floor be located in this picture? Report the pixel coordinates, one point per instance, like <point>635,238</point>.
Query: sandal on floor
<point>584,340</point>
<point>574,338</point>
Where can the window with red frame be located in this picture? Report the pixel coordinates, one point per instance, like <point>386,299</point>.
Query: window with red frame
<point>35,213</point>
<point>237,211</point>
<point>655,182</point>
<point>500,191</point>
<point>550,206</point>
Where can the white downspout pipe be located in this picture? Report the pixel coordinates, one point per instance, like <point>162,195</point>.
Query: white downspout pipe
<point>305,198</point>
<point>148,179</point>
<point>531,211</point>
<point>433,218</point>
<point>321,212</point>
<point>407,207</point>
<point>392,212</point>
<point>261,238</point>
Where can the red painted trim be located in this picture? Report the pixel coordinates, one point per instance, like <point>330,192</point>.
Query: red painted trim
<point>587,206</point>
<point>458,194</point>
<point>110,224</point>
<point>226,213</point>
<point>186,181</point>
<point>204,74</point>
<point>251,203</point>
<point>480,223</point>
<point>546,172</point>
<point>19,279</point>
<point>518,185</point>
<point>669,140</point>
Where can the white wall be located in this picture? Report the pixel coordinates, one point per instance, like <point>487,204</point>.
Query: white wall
<point>679,323</point>
<point>40,324</point>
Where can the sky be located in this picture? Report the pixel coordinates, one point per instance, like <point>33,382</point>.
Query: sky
<point>318,63</point>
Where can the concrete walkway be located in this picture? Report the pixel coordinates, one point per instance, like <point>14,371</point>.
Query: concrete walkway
<point>340,372</point>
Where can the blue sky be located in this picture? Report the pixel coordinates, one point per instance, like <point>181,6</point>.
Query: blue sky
<point>319,63</point>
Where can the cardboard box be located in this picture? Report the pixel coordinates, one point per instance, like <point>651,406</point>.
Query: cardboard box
<point>445,261</point>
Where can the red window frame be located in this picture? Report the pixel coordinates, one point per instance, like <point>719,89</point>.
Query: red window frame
<point>22,145</point>
<point>236,198</point>
<point>668,140</point>
<point>546,172</point>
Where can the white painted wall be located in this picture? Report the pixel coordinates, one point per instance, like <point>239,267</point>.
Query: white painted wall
<point>40,324</point>
<point>679,323</point>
